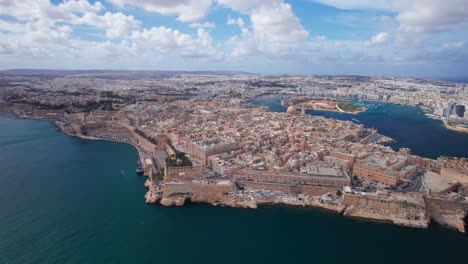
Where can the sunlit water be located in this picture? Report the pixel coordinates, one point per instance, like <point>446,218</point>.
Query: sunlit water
<point>407,125</point>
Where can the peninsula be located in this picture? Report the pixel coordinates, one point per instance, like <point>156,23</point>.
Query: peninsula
<point>324,105</point>
<point>199,140</point>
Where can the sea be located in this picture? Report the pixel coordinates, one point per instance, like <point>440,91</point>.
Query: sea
<point>69,200</point>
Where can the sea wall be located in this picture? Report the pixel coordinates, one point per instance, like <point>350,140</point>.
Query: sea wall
<point>143,142</point>
<point>402,210</point>
<point>176,193</point>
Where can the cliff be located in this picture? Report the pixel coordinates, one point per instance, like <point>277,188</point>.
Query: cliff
<point>448,213</point>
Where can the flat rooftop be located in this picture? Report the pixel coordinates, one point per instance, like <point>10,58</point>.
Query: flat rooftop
<point>436,182</point>
<point>330,173</point>
<point>375,162</point>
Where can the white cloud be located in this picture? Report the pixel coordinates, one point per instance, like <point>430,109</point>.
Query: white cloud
<point>453,45</point>
<point>11,27</point>
<point>80,6</point>
<point>41,11</point>
<point>170,40</point>
<point>277,23</point>
<point>45,29</point>
<point>358,4</point>
<point>339,44</point>
<point>419,16</point>
<point>202,25</point>
<point>117,25</point>
<point>44,35</point>
<point>276,32</point>
<point>44,13</point>
<point>236,21</point>
<point>449,52</point>
<point>42,29</point>
<point>320,38</point>
<point>244,45</point>
<point>431,15</point>
<point>33,31</point>
<point>184,10</point>
<point>41,17</point>
<point>102,50</point>
<point>247,5</point>
<point>378,40</point>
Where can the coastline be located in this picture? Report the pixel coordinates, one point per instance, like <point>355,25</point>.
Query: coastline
<point>150,196</point>
<point>337,110</point>
<point>430,116</point>
<point>353,113</point>
<point>155,196</point>
<point>456,128</point>
<point>180,201</point>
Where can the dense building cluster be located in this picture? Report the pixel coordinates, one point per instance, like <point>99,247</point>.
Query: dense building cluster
<point>236,139</point>
<point>199,138</point>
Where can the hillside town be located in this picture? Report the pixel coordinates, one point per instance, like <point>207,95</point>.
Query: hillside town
<point>200,140</point>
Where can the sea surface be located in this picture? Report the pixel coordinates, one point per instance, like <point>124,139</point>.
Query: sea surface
<point>68,200</point>
<point>407,125</point>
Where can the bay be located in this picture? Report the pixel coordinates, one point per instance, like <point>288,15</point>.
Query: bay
<point>407,125</point>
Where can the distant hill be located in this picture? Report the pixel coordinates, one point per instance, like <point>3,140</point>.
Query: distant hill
<point>114,73</point>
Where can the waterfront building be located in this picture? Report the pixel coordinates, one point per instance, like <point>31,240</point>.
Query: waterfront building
<point>201,150</point>
<point>386,170</point>
<point>313,176</point>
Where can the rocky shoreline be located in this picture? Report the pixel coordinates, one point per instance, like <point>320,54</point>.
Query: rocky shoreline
<point>180,199</point>
<point>453,222</point>
<point>456,128</point>
<point>153,196</point>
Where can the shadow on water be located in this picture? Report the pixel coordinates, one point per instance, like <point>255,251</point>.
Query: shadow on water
<point>466,222</point>
<point>188,201</point>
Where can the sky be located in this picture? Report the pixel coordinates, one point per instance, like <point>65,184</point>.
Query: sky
<point>419,38</point>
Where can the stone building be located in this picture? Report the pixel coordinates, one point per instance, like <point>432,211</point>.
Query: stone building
<point>317,177</point>
<point>201,150</point>
<point>387,170</point>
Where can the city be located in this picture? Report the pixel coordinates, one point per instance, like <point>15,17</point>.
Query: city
<point>200,140</point>
<point>233,131</point>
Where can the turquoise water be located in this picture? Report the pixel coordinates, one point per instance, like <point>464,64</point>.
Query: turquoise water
<point>407,125</point>
<point>67,200</point>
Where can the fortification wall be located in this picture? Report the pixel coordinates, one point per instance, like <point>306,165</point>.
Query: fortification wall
<point>144,143</point>
<point>406,211</point>
<point>308,190</point>
<point>197,192</point>
<point>183,173</point>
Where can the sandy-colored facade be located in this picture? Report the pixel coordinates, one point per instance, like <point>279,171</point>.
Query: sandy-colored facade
<point>201,151</point>
<point>375,173</point>
<point>328,178</point>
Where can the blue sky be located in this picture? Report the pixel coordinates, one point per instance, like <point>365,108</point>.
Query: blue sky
<point>421,38</point>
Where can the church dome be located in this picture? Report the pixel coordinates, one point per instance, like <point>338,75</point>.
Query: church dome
<point>291,110</point>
